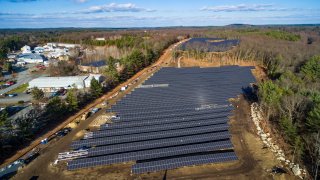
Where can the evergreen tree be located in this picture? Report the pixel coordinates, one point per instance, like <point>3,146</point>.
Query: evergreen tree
<point>111,72</point>
<point>95,88</point>
<point>3,117</point>
<point>72,99</point>
<point>37,94</point>
<point>313,119</point>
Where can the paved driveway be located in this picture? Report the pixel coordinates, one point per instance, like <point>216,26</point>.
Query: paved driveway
<point>23,76</point>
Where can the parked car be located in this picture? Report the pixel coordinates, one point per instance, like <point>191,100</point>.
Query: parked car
<point>10,83</point>
<point>94,110</point>
<point>63,132</point>
<point>40,66</point>
<point>12,95</point>
<point>62,92</point>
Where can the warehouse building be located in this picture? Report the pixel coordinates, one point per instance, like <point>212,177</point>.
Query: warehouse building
<point>53,84</point>
<point>30,58</point>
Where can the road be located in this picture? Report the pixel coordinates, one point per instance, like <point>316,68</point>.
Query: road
<point>13,100</point>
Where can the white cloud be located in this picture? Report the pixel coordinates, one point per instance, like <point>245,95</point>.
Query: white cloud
<point>243,7</point>
<point>114,7</point>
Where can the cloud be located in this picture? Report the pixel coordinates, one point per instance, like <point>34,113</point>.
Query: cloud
<point>113,7</point>
<point>243,7</point>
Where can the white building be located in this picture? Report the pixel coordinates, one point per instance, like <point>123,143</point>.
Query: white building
<point>38,50</point>
<point>52,84</point>
<point>49,47</point>
<point>57,52</point>
<point>26,49</point>
<point>30,58</point>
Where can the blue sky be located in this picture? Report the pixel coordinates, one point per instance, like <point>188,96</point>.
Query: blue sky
<point>152,13</point>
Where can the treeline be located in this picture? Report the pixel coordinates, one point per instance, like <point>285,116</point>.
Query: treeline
<point>134,62</point>
<point>291,102</point>
<point>124,41</point>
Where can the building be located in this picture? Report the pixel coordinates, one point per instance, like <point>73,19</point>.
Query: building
<point>26,49</point>
<point>38,50</point>
<point>57,52</point>
<point>53,84</point>
<point>30,58</point>
<point>93,67</point>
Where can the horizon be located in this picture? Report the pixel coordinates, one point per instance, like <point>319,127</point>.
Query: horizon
<point>35,14</point>
<point>159,27</point>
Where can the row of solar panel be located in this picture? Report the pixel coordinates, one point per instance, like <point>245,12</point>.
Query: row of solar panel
<point>148,136</point>
<point>229,79</point>
<point>160,127</point>
<point>148,154</point>
<point>171,114</point>
<point>123,114</point>
<point>153,122</point>
<point>154,108</point>
<point>158,143</point>
<point>174,163</point>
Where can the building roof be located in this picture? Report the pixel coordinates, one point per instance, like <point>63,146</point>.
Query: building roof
<point>96,63</point>
<point>58,82</point>
<point>30,56</point>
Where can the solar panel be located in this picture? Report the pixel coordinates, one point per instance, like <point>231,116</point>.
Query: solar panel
<point>148,154</point>
<point>164,127</point>
<point>174,163</point>
<point>134,146</point>
<point>148,136</point>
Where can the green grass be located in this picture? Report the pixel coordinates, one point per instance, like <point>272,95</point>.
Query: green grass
<point>19,89</point>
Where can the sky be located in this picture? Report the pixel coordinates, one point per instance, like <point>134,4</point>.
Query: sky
<point>154,13</point>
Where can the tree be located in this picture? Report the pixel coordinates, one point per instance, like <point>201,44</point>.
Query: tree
<point>270,95</point>
<point>72,99</point>
<point>95,88</point>
<point>312,68</point>
<point>55,106</point>
<point>313,118</point>
<point>111,72</point>
<point>289,129</point>
<point>7,66</point>
<point>37,94</point>
<point>3,117</point>
<point>150,57</point>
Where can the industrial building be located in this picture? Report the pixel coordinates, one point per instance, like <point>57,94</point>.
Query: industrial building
<point>53,84</point>
<point>93,67</point>
<point>30,58</point>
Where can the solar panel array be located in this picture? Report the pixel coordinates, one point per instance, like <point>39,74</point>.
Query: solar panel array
<point>162,127</point>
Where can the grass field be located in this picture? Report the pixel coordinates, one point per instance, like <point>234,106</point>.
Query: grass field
<point>19,89</point>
